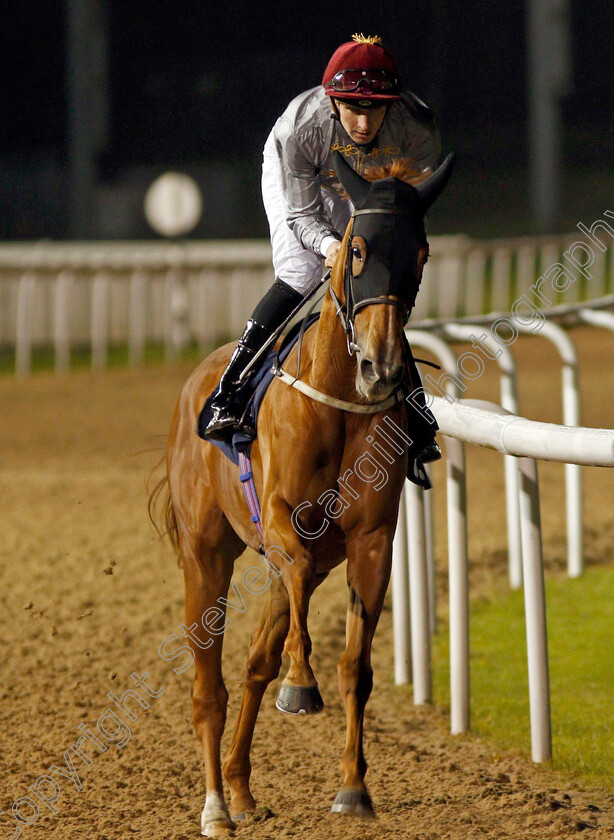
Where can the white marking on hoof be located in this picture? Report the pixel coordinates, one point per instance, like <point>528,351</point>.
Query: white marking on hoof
<point>215,820</point>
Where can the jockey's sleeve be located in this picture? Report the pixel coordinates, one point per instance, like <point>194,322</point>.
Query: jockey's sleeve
<point>304,209</point>
<point>413,120</point>
<point>427,150</point>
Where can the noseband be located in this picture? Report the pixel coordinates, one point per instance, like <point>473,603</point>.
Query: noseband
<point>346,312</point>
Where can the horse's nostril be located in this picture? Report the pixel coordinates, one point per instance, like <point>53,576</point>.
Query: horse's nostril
<point>367,370</point>
<point>381,373</point>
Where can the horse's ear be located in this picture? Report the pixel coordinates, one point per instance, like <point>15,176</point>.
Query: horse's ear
<point>354,184</point>
<point>430,189</point>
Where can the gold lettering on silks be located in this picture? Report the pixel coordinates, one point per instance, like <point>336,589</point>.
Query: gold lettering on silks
<point>361,158</point>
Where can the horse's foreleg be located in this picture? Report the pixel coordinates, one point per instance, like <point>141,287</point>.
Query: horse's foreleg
<point>209,694</point>
<point>369,562</point>
<point>299,692</point>
<point>263,664</point>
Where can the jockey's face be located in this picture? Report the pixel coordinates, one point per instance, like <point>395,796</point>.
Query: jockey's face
<point>362,124</point>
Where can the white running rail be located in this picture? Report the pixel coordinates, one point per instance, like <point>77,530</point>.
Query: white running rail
<point>103,293</point>
<point>484,424</point>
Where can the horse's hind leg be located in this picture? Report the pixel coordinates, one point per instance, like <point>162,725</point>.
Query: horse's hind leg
<point>263,664</point>
<point>207,572</point>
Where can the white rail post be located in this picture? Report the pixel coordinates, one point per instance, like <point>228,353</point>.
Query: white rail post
<point>571,417</point>
<point>418,595</point>
<point>526,260</point>
<point>509,401</point>
<point>549,252</point>
<point>170,346</point>
<point>205,301</point>
<point>137,324</point>
<point>439,348</point>
<point>400,600</point>
<point>535,612</point>
<point>451,270</point>
<point>61,321</point>
<point>501,274</point>
<point>459,586</point>
<point>429,547</point>
<point>177,331</point>
<point>476,280</point>
<point>23,327</point>
<point>100,320</point>
<point>485,424</point>
<point>573,472</point>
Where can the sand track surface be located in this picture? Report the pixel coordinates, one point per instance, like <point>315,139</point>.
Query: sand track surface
<point>88,594</point>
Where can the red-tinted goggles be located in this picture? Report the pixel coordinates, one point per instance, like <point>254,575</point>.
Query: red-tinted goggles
<point>375,81</point>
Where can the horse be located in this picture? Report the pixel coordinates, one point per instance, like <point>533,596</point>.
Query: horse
<point>320,503</point>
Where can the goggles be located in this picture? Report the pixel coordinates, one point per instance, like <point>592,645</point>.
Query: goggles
<point>375,81</point>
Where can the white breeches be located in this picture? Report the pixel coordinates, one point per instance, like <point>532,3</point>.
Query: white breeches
<point>299,268</point>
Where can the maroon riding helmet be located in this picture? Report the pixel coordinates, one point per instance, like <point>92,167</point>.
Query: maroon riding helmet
<point>362,69</point>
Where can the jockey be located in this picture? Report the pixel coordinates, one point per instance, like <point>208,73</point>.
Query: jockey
<point>361,111</point>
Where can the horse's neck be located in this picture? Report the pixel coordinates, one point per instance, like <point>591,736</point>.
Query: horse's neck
<point>333,370</point>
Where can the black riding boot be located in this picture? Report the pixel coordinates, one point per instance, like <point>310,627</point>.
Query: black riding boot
<point>424,446</point>
<point>228,403</point>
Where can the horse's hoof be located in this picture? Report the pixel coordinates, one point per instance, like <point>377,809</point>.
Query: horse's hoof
<point>299,700</point>
<point>259,814</point>
<point>215,821</point>
<point>351,801</point>
<point>218,828</point>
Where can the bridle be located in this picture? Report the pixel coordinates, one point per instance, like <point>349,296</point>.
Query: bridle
<point>346,312</point>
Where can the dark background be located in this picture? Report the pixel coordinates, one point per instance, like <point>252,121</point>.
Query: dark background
<point>196,86</point>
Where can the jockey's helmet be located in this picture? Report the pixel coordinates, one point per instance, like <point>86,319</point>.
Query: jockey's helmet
<point>362,69</point>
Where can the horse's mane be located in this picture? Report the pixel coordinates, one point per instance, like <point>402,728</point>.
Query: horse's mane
<point>404,169</point>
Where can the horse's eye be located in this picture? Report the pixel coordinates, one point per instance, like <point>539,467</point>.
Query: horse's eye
<point>358,253</point>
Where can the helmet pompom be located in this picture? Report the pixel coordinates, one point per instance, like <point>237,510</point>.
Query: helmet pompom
<point>366,39</point>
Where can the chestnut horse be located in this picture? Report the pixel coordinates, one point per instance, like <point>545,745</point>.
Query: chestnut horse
<point>319,503</point>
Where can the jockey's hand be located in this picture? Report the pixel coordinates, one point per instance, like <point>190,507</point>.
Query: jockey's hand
<point>331,254</point>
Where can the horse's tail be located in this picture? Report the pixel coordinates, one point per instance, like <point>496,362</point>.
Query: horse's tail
<point>162,513</point>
